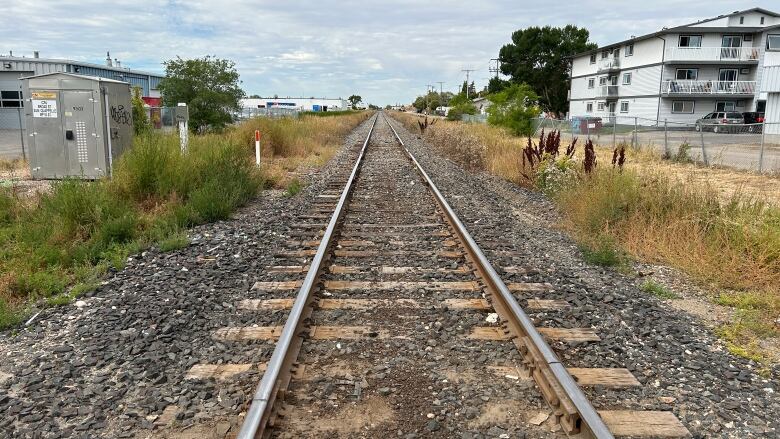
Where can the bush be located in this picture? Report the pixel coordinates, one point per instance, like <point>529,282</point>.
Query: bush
<point>514,108</point>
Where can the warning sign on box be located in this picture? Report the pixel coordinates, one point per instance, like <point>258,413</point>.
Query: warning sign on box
<point>44,108</point>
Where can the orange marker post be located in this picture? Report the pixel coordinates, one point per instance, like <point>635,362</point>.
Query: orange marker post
<point>257,147</point>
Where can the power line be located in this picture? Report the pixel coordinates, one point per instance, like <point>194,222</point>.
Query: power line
<point>468,71</point>
<point>496,69</point>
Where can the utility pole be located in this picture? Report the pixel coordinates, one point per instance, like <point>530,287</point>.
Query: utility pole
<point>441,92</point>
<point>428,88</point>
<point>467,80</point>
<point>495,69</point>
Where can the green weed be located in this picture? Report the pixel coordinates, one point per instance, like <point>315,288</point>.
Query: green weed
<point>294,187</point>
<point>658,290</point>
<point>174,242</point>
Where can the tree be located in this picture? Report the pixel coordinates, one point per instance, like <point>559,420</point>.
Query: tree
<point>255,96</point>
<point>140,120</point>
<point>514,108</point>
<point>540,58</point>
<point>496,85</point>
<point>209,86</point>
<point>460,105</point>
<point>355,100</point>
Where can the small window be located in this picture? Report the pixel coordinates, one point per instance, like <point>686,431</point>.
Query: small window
<point>624,107</point>
<point>773,42</point>
<point>762,20</point>
<point>589,107</point>
<point>741,20</point>
<point>687,74</point>
<point>626,78</point>
<point>591,82</point>
<point>593,58</point>
<point>690,41</point>
<point>684,107</point>
<point>604,54</point>
<point>603,80</point>
<point>11,99</point>
<point>600,106</point>
<point>630,50</point>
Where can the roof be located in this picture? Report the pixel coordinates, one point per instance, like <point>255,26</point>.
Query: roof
<point>79,63</point>
<point>691,27</point>
<point>90,78</point>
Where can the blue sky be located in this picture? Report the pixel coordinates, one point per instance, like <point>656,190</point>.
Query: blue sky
<point>384,51</point>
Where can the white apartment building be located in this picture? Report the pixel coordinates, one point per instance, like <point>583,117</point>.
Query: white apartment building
<point>682,73</point>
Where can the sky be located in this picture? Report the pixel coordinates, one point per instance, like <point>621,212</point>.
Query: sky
<point>387,52</point>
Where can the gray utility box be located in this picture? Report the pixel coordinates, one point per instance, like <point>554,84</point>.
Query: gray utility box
<point>77,125</point>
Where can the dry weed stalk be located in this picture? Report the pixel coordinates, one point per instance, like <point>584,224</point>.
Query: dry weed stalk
<point>619,156</point>
<point>549,145</point>
<point>589,163</point>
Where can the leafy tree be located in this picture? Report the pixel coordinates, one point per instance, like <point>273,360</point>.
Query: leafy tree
<point>255,96</point>
<point>496,85</point>
<point>540,58</point>
<point>140,120</point>
<point>430,101</point>
<point>373,107</point>
<point>209,86</point>
<point>355,100</point>
<point>514,108</point>
<point>460,105</point>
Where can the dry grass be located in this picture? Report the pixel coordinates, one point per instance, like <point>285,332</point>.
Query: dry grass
<point>720,226</point>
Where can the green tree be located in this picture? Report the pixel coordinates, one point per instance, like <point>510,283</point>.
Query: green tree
<point>255,96</point>
<point>209,86</point>
<point>355,100</point>
<point>540,57</point>
<point>496,85</point>
<point>460,105</point>
<point>140,119</point>
<point>514,108</point>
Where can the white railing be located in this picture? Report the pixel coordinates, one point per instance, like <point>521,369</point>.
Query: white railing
<point>712,54</point>
<point>609,63</point>
<point>675,87</point>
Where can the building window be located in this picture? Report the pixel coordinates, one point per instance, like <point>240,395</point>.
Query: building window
<point>684,107</point>
<point>725,106</point>
<point>687,74</point>
<point>593,58</point>
<point>624,107</point>
<point>626,78</point>
<point>741,20</point>
<point>591,82</point>
<point>630,49</point>
<point>773,42</point>
<point>690,41</point>
<point>603,80</point>
<point>762,20</point>
<point>600,106</point>
<point>604,54</point>
<point>11,99</point>
<point>589,107</point>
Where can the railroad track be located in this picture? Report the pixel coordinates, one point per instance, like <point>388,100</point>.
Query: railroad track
<point>398,324</point>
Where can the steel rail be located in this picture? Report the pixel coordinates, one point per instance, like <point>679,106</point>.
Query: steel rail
<point>518,320</point>
<point>284,356</point>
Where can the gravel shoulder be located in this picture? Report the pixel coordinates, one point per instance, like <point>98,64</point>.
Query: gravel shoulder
<point>681,365</point>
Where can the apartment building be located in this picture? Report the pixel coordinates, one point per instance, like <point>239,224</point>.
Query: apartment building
<point>682,73</point>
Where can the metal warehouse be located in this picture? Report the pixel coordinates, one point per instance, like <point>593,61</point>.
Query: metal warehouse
<point>304,104</point>
<point>13,68</point>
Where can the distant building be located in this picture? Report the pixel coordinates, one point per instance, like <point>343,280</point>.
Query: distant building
<point>680,74</point>
<point>301,104</point>
<point>481,104</point>
<point>13,68</point>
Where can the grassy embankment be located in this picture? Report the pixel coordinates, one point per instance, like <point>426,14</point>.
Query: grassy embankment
<point>727,241</point>
<point>55,246</point>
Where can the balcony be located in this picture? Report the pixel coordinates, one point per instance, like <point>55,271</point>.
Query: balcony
<point>607,91</point>
<point>712,54</point>
<point>708,88</point>
<point>609,64</point>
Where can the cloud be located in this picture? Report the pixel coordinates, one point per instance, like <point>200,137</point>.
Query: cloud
<point>385,51</point>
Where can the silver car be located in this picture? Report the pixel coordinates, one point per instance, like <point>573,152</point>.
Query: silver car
<point>719,121</point>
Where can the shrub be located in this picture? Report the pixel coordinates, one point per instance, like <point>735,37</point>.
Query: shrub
<point>514,108</point>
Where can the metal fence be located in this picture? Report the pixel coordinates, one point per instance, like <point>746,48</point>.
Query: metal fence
<point>754,147</point>
<point>162,118</point>
<point>474,118</point>
<point>12,136</point>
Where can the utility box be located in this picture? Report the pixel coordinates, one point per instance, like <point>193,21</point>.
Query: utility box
<point>77,125</point>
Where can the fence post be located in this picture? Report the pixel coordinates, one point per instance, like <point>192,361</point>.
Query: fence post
<point>666,137</point>
<point>614,132</point>
<point>183,127</point>
<point>761,151</point>
<point>636,133</point>
<point>257,147</point>
<point>21,133</point>
<point>703,151</point>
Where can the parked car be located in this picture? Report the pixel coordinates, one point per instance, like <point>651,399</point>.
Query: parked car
<point>718,122</point>
<point>755,119</point>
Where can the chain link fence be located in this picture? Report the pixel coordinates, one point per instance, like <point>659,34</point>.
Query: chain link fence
<point>12,136</point>
<point>754,147</point>
<point>248,113</point>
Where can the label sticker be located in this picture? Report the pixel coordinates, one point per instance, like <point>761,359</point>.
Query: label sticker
<point>44,95</point>
<point>68,113</point>
<point>44,108</point>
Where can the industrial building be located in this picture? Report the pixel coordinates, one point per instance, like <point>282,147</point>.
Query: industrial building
<point>300,104</point>
<point>13,68</point>
<point>680,74</point>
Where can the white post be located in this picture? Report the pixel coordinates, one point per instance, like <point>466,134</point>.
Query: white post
<point>761,152</point>
<point>257,147</point>
<point>183,131</point>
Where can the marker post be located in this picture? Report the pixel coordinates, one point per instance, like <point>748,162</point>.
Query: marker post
<point>257,147</point>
